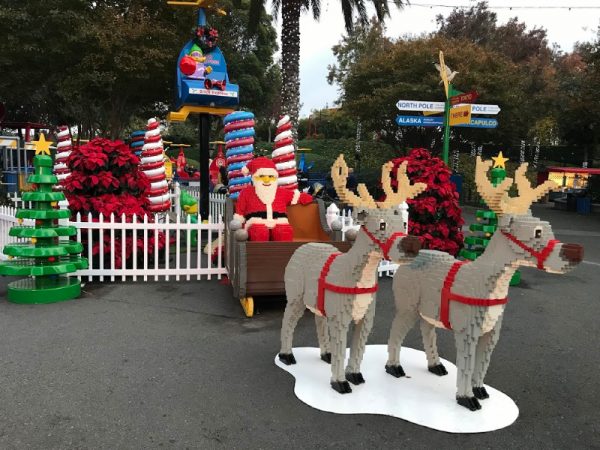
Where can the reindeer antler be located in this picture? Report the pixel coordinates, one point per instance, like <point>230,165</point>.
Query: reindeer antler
<point>494,196</point>
<point>405,189</point>
<point>497,198</point>
<point>339,175</point>
<point>527,194</point>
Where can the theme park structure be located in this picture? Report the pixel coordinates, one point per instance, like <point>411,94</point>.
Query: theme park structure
<point>469,297</point>
<point>203,86</point>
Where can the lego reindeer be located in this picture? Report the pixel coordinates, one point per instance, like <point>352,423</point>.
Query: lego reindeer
<point>469,298</point>
<point>340,287</point>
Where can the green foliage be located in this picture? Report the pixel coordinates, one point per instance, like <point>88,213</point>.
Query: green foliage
<point>543,94</point>
<point>327,124</point>
<point>99,64</point>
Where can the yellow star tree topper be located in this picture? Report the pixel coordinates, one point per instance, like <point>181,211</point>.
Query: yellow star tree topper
<point>499,161</point>
<point>42,146</point>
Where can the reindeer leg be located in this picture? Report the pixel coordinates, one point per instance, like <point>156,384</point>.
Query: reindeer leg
<point>357,347</point>
<point>338,332</point>
<point>430,345</point>
<point>293,311</point>
<point>485,347</point>
<point>323,336</point>
<point>466,346</point>
<point>403,322</point>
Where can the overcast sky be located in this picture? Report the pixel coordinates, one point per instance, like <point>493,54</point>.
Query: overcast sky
<point>564,28</point>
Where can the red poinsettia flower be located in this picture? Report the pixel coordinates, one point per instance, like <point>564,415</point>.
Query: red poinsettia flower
<point>435,216</point>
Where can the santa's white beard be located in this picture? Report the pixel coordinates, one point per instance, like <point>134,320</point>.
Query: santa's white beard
<point>266,194</point>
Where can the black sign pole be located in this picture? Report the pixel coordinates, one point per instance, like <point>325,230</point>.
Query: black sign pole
<point>203,130</point>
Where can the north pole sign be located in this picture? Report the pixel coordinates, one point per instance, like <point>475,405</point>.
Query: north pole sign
<point>468,97</point>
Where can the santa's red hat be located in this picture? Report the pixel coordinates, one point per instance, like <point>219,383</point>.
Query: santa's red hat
<point>261,165</point>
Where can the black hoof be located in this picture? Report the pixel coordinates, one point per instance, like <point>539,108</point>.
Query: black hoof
<point>287,358</point>
<point>355,378</point>
<point>343,387</point>
<point>326,357</point>
<point>395,371</point>
<point>469,402</point>
<point>438,370</point>
<point>480,393</point>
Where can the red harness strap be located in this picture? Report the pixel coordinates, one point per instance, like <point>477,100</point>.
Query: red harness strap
<point>324,285</point>
<point>385,246</point>
<point>448,295</point>
<point>540,256</point>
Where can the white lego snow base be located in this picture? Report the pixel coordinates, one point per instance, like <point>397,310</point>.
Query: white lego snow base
<point>421,397</point>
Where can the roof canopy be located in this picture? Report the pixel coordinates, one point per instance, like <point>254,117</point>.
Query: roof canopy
<point>31,125</point>
<point>574,170</point>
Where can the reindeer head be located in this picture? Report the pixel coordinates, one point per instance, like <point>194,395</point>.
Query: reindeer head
<point>529,238</point>
<point>383,222</point>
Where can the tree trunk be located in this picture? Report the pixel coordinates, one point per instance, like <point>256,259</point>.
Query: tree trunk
<point>290,60</point>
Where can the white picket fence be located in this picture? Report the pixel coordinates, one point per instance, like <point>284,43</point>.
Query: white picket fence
<point>216,202</point>
<point>177,260</point>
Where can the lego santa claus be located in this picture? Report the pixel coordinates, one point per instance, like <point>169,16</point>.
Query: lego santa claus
<point>261,208</point>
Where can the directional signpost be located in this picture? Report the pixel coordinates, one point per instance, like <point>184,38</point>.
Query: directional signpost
<point>419,121</point>
<point>423,121</point>
<point>468,97</point>
<point>418,105</point>
<point>458,110</point>
<point>480,122</point>
<point>460,115</point>
<point>438,107</point>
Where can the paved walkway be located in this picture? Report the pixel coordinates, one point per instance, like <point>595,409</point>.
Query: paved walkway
<point>176,365</point>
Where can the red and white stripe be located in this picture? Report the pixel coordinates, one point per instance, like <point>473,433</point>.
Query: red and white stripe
<point>284,156</point>
<point>63,150</point>
<point>152,165</point>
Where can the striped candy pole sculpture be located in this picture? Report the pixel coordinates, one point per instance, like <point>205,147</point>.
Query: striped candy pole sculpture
<point>284,156</point>
<point>239,142</point>
<point>63,150</point>
<point>136,142</point>
<point>152,165</point>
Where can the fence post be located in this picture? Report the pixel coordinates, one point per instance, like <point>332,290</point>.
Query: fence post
<point>177,199</point>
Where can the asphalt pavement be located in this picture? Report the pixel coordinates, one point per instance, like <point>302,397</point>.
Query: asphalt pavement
<point>177,365</point>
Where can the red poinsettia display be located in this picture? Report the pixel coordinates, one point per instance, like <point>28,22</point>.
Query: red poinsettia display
<point>434,216</point>
<point>105,180</point>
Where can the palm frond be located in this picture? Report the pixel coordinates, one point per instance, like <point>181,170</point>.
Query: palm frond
<point>363,17</point>
<point>256,10</point>
<point>275,7</point>
<point>347,11</point>
<point>316,8</point>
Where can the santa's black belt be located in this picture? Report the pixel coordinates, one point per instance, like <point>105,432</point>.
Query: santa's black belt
<point>263,215</point>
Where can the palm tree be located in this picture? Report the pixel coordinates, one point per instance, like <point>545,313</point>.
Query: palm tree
<point>290,37</point>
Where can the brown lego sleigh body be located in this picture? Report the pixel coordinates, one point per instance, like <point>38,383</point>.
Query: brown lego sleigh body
<point>257,268</point>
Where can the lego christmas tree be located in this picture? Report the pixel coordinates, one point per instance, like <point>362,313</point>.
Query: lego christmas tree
<point>49,254</point>
<point>487,222</point>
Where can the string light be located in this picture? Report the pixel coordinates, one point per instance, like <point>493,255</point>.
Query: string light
<point>536,155</point>
<point>358,130</point>
<point>569,8</point>
<point>522,152</point>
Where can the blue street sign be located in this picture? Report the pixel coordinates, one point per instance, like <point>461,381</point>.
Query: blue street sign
<point>483,122</point>
<point>419,121</point>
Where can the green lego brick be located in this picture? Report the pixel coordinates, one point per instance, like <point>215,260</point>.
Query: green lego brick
<point>28,232</point>
<point>43,290</point>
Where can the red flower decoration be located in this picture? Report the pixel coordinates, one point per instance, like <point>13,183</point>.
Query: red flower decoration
<point>105,180</point>
<point>434,216</point>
